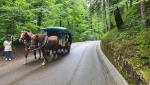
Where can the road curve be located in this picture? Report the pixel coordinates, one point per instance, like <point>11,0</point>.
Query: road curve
<point>83,66</point>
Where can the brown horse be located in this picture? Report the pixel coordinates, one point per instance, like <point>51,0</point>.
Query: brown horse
<point>46,44</point>
<point>25,38</point>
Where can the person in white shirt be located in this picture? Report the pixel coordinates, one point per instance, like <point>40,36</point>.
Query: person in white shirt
<point>7,49</point>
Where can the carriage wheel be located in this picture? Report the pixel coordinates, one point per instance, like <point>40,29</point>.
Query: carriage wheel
<point>68,49</point>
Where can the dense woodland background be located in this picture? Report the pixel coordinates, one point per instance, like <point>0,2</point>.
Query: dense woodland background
<point>36,14</point>
<point>123,25</point>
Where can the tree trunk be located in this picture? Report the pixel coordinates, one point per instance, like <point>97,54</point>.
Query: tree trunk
<point>127,5</point>
<point>72,27</point>
<point>143,13</point>
<point>60,22</point>
<point>68,24</point>
<point>91,22</point>
<point>118,18</point>
<point>39,20</point>
<point>105,21</point>
<point>105,15</point>
<point>131,3</point>
<point>111,24</point>
<point>108,14</point>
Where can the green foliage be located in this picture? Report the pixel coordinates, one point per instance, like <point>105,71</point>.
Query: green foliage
<point>35,14</point>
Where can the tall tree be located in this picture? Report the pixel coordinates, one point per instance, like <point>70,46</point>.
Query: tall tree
<point>143,13</point>
<point>118,18</point>
<point>117,15</point>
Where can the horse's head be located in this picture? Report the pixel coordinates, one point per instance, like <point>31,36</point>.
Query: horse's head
<point>34,42</point>
<point>23,35</point>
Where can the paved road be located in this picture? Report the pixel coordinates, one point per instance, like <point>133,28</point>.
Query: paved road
<point>81,67</point>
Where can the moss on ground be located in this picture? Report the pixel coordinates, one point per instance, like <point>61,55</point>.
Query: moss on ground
<point>134,44</point>
<point>147,74</point>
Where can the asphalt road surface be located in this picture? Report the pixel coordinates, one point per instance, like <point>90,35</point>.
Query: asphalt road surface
<point>83,66</point>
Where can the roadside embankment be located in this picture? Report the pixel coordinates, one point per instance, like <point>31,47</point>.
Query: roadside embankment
<point>129,51</point>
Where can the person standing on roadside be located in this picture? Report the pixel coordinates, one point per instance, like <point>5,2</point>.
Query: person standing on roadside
<point>8,48</point>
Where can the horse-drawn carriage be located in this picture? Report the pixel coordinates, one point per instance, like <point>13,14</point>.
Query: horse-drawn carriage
<point>54,41</point>
<point>64,37</point>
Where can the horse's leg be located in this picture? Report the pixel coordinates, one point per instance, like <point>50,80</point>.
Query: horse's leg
<point>51,54</point>
<point>26,55</point>
<point>40,53</point>
<point>44,56</point>
<point>35,54</point>
<point>55,52</point>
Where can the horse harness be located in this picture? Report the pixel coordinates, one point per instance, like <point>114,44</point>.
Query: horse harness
<point>26,43</point>
<point>38,46</point>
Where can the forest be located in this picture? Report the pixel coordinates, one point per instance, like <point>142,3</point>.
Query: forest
<point>17,15</point>
<point>123,26</point>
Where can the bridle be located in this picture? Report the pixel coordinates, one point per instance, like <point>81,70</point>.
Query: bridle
<point>22,37</point>
<point>25,38</point>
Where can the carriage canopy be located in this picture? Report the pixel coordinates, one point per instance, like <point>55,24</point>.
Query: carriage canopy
<point>55,30</point>
<point>50,31</point>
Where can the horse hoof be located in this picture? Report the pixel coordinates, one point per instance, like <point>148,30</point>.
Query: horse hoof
<point>24,63</point>
<point>39,58</point>
<point>43,63</point>
<point>55,57</point>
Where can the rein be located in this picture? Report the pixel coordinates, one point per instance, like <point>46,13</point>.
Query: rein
<point>36,48</point>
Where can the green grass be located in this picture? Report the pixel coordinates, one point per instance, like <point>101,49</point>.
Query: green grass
<point>147,74</point>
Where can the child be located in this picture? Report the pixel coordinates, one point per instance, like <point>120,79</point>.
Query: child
<point>8,48</point>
